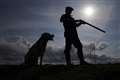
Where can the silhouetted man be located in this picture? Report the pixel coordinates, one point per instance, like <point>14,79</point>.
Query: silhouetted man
<point>71,36</point>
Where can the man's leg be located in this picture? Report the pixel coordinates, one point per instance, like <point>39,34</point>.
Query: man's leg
<point>80,54</point>
<point>79,47</point>
<point>67,51</point>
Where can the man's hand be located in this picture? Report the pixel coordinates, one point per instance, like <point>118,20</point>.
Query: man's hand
<point>79,22</point>
<point>82,22</point>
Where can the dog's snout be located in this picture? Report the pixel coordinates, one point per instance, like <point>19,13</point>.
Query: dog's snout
<point>52,35</point>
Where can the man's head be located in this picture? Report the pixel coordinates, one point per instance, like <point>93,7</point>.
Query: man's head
<point>47,36</point>
<point>68,10</point>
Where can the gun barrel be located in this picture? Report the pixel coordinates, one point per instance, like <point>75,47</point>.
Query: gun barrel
<point>96,27</point>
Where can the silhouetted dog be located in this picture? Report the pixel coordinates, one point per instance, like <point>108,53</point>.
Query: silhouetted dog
<point>37,50</point>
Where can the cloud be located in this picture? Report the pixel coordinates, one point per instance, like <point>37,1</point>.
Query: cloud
<point>56,55</point>
<point>25,17</point>
<point>96,46</point>
<point>12,50</point>
<point>102,46</point>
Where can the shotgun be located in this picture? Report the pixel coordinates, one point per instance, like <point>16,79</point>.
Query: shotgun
<point>92,26</point>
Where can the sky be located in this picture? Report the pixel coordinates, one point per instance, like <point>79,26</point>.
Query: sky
<point>23,21</point>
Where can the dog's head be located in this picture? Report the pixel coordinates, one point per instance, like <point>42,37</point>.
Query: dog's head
<point>47,36</point>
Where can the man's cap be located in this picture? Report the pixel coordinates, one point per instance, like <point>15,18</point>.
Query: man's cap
<point>69,8</point>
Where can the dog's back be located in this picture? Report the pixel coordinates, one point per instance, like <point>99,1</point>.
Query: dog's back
<point>38,47</point>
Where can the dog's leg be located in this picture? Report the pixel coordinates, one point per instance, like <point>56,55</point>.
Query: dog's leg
<point>41,59</point>
<point>26,60</point>
<point>35,62</point>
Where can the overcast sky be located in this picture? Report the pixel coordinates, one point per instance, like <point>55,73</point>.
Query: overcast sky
<point>29,18</point>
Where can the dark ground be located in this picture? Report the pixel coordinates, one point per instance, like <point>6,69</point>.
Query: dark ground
<point>61,72</point>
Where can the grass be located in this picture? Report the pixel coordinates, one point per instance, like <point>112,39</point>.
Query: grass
<point>61,72</point>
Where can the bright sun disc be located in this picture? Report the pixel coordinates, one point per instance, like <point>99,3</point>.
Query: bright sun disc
<point>89,11</point>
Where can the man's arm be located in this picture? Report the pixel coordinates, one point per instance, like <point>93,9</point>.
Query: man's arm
<point>62,19</point>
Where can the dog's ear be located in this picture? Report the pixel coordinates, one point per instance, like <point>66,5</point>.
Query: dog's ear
<point>44,36</point>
